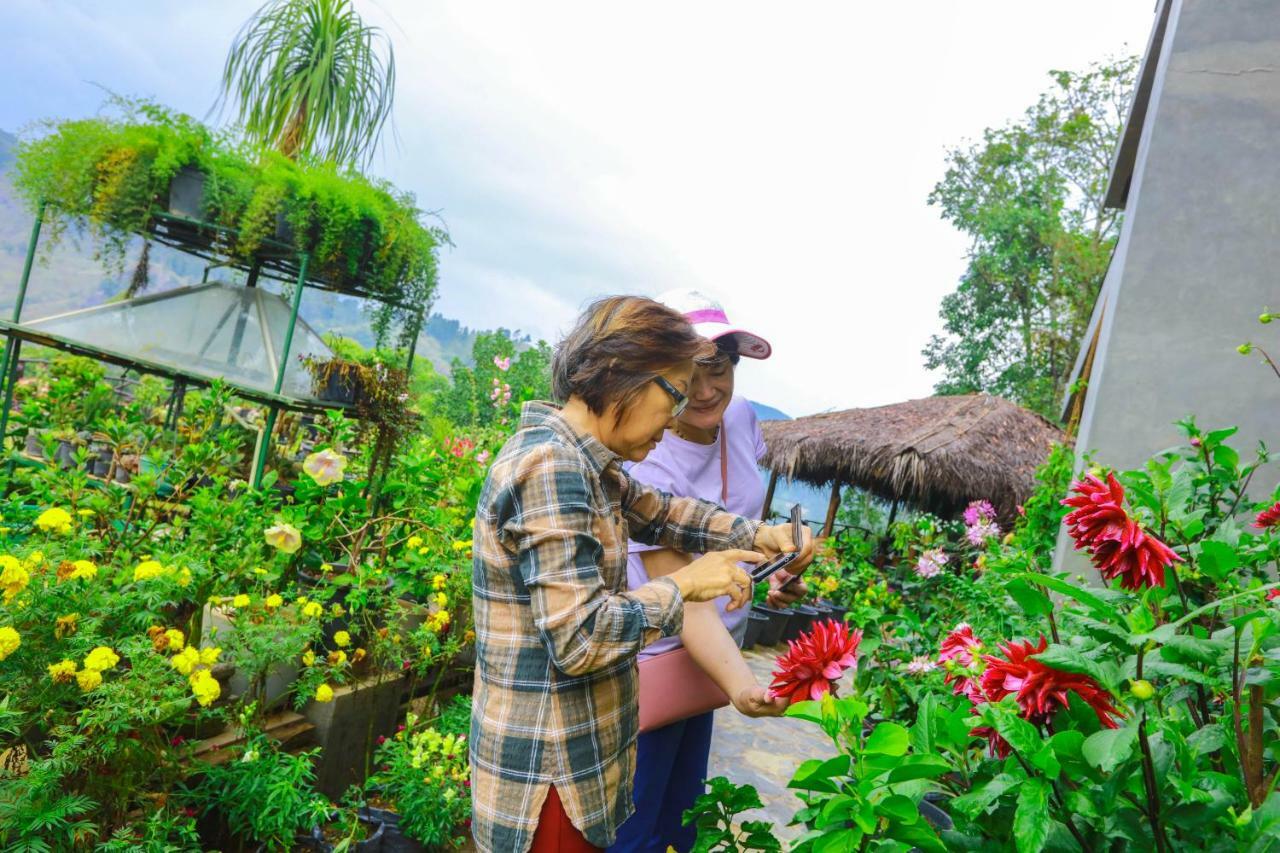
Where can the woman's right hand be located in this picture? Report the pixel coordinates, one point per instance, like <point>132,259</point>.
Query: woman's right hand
<point>715,574</point>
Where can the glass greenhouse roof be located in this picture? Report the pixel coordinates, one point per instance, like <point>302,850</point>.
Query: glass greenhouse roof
<point>207,331</point>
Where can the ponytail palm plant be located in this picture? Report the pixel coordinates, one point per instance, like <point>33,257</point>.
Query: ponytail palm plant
<point>310,78</point>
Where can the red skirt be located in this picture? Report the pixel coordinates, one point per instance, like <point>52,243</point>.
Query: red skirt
<point>555,833</point>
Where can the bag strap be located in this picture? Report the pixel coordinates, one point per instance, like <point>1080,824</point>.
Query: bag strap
<point>724,467</point>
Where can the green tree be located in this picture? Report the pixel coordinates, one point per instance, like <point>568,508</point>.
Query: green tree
<point>310,78</point>
<point>1030,197</point>
<point>502,376</point>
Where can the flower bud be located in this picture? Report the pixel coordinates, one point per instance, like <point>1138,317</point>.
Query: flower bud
<point>1141,689</point>
<point>1265,318</point>
<point>1244,349</point>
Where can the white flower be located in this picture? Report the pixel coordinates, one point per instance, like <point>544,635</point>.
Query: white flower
<point>325,466</point>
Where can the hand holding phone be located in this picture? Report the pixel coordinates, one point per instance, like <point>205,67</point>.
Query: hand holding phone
<point>767,570</point>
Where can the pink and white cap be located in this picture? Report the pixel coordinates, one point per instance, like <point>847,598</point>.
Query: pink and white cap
<point>709,320</point>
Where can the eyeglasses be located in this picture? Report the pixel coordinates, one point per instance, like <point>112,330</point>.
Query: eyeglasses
<point>679,401</point>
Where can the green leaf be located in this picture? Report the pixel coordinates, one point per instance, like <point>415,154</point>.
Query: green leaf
<point>815,775</point>
<point>1107,748</point>
<point>1031,819</point>
<point>1196,649</point>
<point>980,799</point>
<point>1032,601</point>
<point>922,729</point>
<point>806,710</point>
<point>899,808</point>
<point>887,739</point>
<point>1068,745</point>
<point>1069,659</point>
<point>1070,590</point>
<point>918,835</point>
<point>1217,559</point>
<point>919,767</point>
<point>1207,740</point>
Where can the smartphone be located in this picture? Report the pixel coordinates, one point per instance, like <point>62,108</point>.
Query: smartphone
<point>766,570</point>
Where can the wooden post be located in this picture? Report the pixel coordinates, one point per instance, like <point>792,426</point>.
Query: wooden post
<point>768,496</point>
<point>831,510</point>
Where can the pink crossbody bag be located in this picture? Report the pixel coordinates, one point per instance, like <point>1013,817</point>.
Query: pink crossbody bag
<point>672,685</point>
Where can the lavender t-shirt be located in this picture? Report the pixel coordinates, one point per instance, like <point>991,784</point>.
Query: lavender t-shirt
<point>689,469</point>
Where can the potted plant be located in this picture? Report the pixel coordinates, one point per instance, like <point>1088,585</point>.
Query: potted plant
<point>422,787</point>
<point>350,827</point>
<point>756,623</point>
<point>186,193</point>
<point>336,380</point>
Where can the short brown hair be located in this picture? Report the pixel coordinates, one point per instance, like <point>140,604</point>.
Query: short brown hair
<point>618,346</point>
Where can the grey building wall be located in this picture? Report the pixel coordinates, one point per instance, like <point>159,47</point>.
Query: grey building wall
<point>1199,254</point>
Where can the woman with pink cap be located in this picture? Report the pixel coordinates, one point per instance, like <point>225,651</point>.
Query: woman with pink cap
<point>710,452</point>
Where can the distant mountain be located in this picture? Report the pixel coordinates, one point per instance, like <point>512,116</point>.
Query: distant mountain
<point>768,413</point>
<point>71,278</point>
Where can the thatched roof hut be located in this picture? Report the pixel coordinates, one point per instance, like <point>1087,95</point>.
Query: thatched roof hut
<point>937,453</point>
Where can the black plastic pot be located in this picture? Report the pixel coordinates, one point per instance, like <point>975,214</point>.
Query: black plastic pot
<point>393,840</point>
<point>801,620</point>
<point>339,385</point>
<point>771,633</point>
<point>372,844</point>
<point>34,446</point>
<point>65,454</point>
<point>756,623</point>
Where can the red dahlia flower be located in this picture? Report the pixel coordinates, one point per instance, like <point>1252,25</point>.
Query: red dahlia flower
<point>815,660</point>
<point>961,648</point>
<point>1273,594</point>
<point>1137,558</point>
<point>1099,510</point>
<point>1118,545</point>
<point>1039,688</point>
<point>1269,517</point>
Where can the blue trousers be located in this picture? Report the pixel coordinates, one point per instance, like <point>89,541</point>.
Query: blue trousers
<point>671,767</point>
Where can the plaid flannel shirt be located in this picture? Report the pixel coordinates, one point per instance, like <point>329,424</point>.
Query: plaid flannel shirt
<point>557,631</point>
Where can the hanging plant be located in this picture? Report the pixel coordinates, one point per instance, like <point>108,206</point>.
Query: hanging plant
<point>360,234</point>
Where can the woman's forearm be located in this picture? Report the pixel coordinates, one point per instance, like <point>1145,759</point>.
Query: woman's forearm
<point>714,650</point>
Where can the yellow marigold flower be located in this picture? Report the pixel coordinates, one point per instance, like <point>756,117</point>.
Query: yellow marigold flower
<point>35,558</point>
<point>186,660</point>
<point>439,582</point>
<point>54,520</point>
<point>312,609</point>
<point>147,569</point>
<point>240,600</point>
<point>83,570</point>
<point>325,466</point>
<point>462,545</point>
<point>342,639</point>
<point>13,577</point>
<point>175,638</point>
<point>65,626</point>
<point>204,687</point>
<point>101,659</point>
<point>284,537</point>
<point>324,693</point>
<point>308,658</point>
<point>414,542</point>
<point>441,599</point>
<point>358,655</point>
<point>62,672</point>
<point>422,551</point>
<point>9,641</point>
<point>302,599</point>
<point>184,577</point>
<point>469,636</point>
<point>88,679</point>
<point>337,658</point>
<point>209,655</point>
<point>274,600</point>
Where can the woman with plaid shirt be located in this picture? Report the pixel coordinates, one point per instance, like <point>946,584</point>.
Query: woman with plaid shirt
<point>553,729</point>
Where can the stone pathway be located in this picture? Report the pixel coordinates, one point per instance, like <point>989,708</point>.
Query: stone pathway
<point>765,753</point>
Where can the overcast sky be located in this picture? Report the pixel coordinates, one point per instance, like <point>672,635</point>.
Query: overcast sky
<point>778,156</point>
